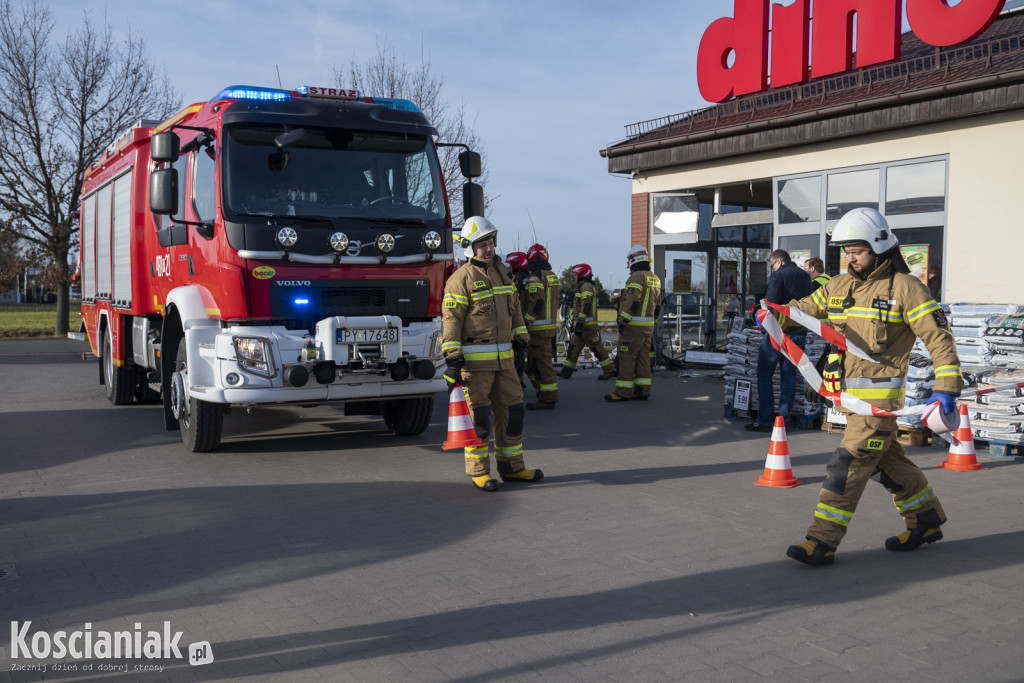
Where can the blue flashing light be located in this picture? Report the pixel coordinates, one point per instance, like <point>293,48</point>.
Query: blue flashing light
<point>395,103</point>
<point>249,92</point>
<point>301,302</point>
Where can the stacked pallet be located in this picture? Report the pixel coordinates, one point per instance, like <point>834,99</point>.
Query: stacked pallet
<point>741,365</point>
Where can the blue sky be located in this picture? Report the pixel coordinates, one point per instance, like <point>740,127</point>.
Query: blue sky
<point>546,84</point>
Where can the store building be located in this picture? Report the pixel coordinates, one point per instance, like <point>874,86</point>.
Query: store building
<point>933,140</point>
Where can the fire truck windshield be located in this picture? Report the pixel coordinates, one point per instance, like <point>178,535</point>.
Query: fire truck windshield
<point>333,173</point>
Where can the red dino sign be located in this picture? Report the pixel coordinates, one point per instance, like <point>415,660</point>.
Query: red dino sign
<point>744,37</point>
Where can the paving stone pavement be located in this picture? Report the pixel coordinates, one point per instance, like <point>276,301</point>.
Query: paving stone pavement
<point>313,546</point>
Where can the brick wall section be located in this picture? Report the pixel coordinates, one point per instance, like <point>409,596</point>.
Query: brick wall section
<point>639,231</point>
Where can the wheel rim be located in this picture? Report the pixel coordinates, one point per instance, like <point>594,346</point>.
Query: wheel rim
<point>179,402</point>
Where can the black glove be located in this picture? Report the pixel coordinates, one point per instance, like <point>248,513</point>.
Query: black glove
<point>454,372</point>
<point>519,350</point>
<point>578,327</point>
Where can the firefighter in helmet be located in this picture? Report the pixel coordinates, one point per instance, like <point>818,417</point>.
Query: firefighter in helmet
<point>540,310</point>
<point>639,307</point>
<point>484,340</point>
<point>882,309</point>
<point>584,325</point>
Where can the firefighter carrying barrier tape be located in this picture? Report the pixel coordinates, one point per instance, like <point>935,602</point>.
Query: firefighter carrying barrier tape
<point>931,415</point>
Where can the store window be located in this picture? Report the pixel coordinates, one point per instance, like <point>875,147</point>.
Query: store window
<point>800,247</point>
<point>800,200</point>
<point>915,188</point>
<point>922,250</point>
<point>851,190</point>
<point>675,214</point>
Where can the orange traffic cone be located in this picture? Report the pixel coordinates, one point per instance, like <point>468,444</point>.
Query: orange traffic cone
<point>777,470</point>
<point>962,458</point>
<point>460,425</point>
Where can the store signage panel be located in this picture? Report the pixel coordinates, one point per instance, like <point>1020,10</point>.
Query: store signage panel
<point>743,39</point>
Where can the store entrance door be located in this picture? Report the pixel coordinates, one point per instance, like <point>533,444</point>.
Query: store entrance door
<point>741,273</point>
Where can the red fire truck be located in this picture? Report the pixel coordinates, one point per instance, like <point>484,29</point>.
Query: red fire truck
<point>271,247</point>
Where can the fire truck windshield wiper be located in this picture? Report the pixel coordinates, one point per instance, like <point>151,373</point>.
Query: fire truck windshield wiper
<point>277,217</point>
<point>397,221</point>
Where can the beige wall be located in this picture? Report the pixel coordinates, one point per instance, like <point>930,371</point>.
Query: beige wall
<point>985,232</point>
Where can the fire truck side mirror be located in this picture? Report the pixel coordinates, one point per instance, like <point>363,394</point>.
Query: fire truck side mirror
<point>472,199</point>
<point>469,163</point>
<point>165,147</point>
<point>163,191</point>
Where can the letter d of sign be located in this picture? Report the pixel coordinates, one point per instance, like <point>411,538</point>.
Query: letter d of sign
<point>745,37</point>
<point>936,23</point>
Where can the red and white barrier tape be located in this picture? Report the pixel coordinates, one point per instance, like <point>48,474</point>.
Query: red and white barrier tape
<point>931,414</point>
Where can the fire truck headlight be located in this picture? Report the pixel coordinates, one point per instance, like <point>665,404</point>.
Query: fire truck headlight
<point>432,241</point>
<point>386,243</point>
<point>339,242</point>
<point>252,355</point>
<point>287,237</point>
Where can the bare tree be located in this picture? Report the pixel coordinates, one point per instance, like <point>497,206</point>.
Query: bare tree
<point>385,75</point>
<point>61,104</point>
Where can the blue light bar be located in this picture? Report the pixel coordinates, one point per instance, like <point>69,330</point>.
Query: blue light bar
<point>302,302</point>
<point>395,103</point>
<point>249,92</point>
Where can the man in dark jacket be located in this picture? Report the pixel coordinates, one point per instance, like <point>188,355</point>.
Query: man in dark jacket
<point>787,282</point>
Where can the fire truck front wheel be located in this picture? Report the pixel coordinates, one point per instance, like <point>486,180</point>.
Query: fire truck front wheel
<point>201,422</point>
<point>119,380</point>
<point>408,416</point>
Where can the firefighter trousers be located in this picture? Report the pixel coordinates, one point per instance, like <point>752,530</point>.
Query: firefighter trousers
<point>591,339</point>
<point>869,450</point>
<point>634,358</point>
<point>540,368</point>
<point>496,392</point>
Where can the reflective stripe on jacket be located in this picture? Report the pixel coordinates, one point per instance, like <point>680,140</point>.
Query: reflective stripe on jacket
<point>640,297</point>
<point>481,315</point>
<point>584,307</point>
<point>540,305</point>
<point>886,328</point>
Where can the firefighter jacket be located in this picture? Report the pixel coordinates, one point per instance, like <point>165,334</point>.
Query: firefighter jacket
<point>883,314</point>
<point>640,300</point>
<point>540,303</point>
<point>481,316</point>
<point>584,306</point>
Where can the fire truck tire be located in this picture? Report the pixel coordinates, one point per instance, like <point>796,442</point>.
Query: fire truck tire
<point>201,422</point>
<point>118,380</point>
<point>408,416</point>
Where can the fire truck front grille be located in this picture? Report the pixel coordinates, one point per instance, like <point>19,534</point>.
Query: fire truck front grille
<point>323,299</point>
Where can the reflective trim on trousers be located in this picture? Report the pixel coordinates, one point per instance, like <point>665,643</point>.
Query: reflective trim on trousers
<point>549,387</point>
<point>623,384</point>
<point>642,381</point>
<point>568,364</point>
<point>605,363</point>
<point>479,452</point>
<point>917,501</point>
<point>834,515</point>
<point>509,452</point>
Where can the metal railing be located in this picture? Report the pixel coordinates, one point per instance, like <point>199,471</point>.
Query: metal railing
<point>787,98</point>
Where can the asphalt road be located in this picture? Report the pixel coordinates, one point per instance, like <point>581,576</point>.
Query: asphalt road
<point>313,546</point>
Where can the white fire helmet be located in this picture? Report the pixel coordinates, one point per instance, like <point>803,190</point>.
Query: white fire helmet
<point>475,229</point>
<point>637,254</point>
<point>864,225</point>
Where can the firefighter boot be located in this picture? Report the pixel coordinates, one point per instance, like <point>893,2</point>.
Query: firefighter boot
<point>565,373</point>
<point>812,552</point>
<point>911,538</point>
<point>609,375</point>
<point>522,475</point>
<point>486,482</point>
<point>615,398</point>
